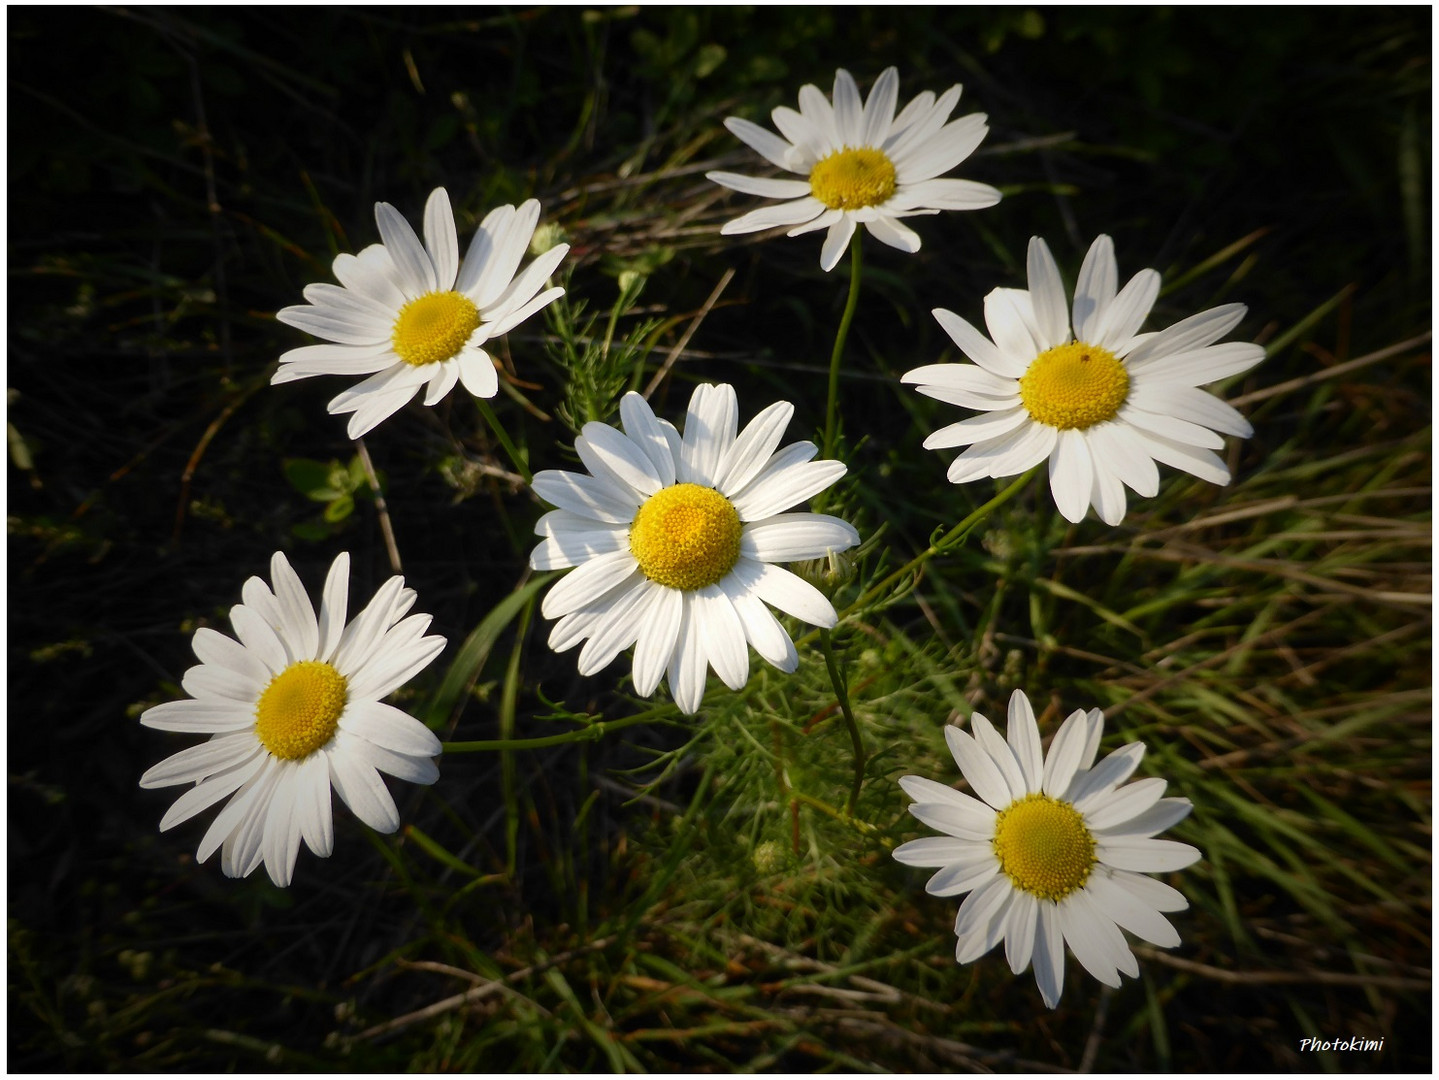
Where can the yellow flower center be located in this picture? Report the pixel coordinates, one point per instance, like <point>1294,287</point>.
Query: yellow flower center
<point>849,179</point>
<point>434,327</point>
<point>686,536</point>
<point>1043,846</point>
<point>1074,386</point>
<point>300,710</point>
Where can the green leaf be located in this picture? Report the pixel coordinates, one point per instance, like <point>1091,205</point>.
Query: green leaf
<point>476,650</point>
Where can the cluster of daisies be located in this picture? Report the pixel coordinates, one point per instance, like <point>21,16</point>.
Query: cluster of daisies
<point>676,540</point>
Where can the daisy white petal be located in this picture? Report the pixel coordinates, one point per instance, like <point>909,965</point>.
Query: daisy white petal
<point>1164,814</point>
<point>1096,288</point>
<point>943,151</point>
<point>769,187</point>
<point>659,631</point>
<point>1190,404</point>
<point>861,163</point>
<point>753,448</point>
<point>893,232</point>
<point>1103,407</point>
<point>836,242</point>
<point>957,878</point>
<point>792,537</point>
<point>310,713</point>
<point>214,682</point>
<point>1044,866</point>
<point>766,143</point>
<point>410,314</point>
<point>442,243</point>
<point>441,383</point>
<point>794,212</point>
<point>1186,335</point>
<point>673,541</point>
<point>785,482</point>
<point>206,793</point>
<point>935,851</point>
<point>645,431</point>
<point>975,346</point>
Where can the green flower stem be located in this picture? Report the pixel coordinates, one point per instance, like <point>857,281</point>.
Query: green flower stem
<point>500,433</point>
<point>841,691</point>
<point>831,409</point>
<point>944,543</point>
<point>589,733</point>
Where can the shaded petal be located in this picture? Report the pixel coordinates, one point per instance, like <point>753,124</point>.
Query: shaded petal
<point>939,851</point>
<point>710,428</point>
<point>441,242</point>
<point>979,348</point>
<point>207,759</point>
<point>836,242</point>
<point>611,456</point>
<point>1048,954</point>
<point>1187,335</point>
<point>588,582</point>
<point>722,635</point>
<point>779,588</point>
<point>659,621</point>
<point>795,212</point>
<point>1071,475</point>
<point>644,431</point>
<point>389,727</point>
<point>1145,856</point>
<point>586,496</point>
<point>688,666</point>
<point>1123,318</point>
<point>763,141</point>
<point>1190,404</point>
<point>199,717</point>
<point>1009,316</point>
<point>1024,743</point>
<point>761,628</point>
<point>1046,294</point>
<point>978,768</point>
<point>962,877</point>
<point>1021,927</point>
<point>1128,911</point>
<point>417,272</point>
<point>764,186</point>
<point>791,537</point>
<point>361,789</point>
<point>785,482</point>
<point>1096,288</point>
<point>753,448</point>
<point>208,792</point>
<point>890,231</point>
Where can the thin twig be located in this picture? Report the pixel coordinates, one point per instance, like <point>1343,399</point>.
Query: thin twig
<point>1330,373</point>
<point>477,993</point>
<point>674,353</point>
<point>385,530</point>
<point>1279,978</point>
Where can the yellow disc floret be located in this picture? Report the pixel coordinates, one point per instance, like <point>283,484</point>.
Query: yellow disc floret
<point>434,327</point>
<point>849,179</point>
<point>1074,386</point>
<point>300,710</point>
<point>1043,846</point>
<point>686,536</point>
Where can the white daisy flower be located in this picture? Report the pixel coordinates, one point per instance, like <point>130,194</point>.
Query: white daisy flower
<point>1104,403</point>
<point>409,314</point>
<point>861,164</point>
<point>675,542</point>
<point>1056,852</point>
<point>292,708</point>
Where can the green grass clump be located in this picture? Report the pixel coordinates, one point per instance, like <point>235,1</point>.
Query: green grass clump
<point>600,883</point>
